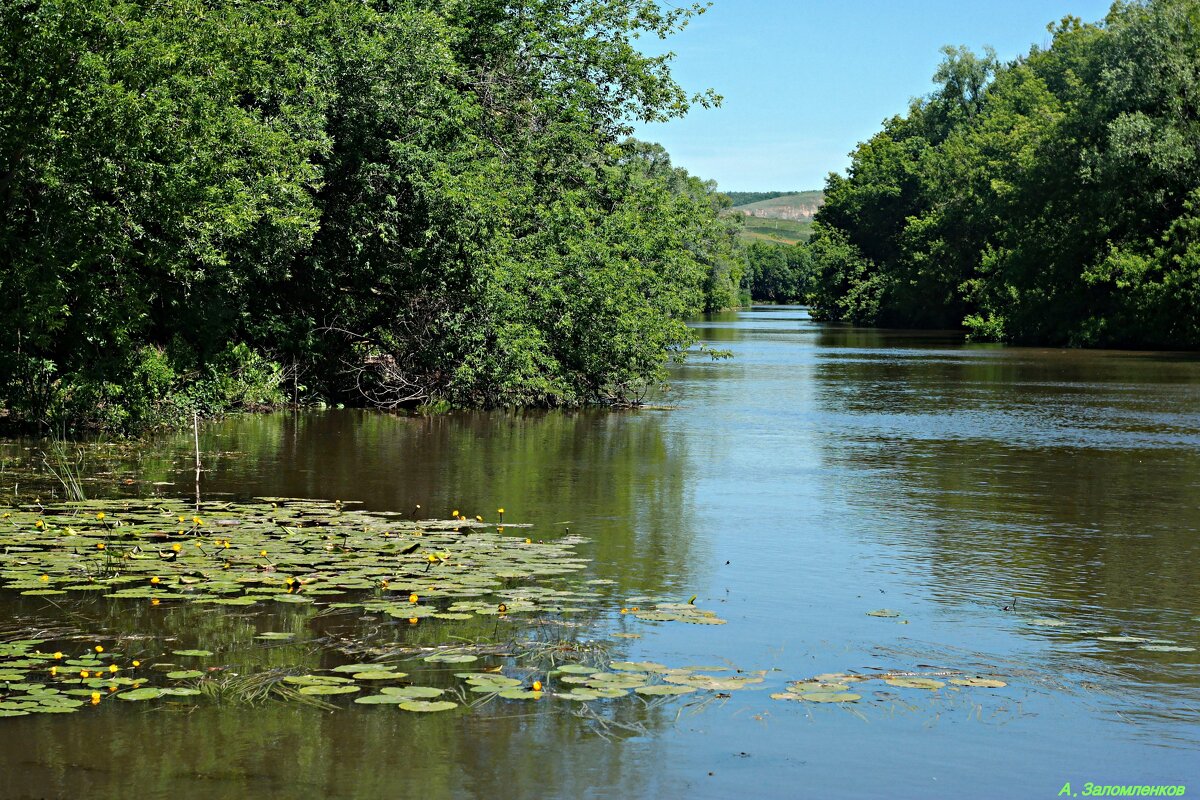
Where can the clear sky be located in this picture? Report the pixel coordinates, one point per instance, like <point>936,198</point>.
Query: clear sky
<point>806,80</point>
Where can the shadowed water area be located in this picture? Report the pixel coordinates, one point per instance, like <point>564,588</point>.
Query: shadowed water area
<point>1032,516</point>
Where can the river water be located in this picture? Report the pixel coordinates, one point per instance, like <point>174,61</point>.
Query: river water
<point>823,472</point>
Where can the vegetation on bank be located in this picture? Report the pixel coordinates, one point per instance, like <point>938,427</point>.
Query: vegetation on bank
<point>1054,199</point>
<point>213,204</point>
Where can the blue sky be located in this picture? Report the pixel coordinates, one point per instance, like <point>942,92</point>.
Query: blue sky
<point>805,80</point>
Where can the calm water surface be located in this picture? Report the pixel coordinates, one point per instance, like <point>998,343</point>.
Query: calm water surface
<point>821,473</point>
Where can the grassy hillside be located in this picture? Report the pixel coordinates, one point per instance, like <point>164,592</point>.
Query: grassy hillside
<point>783,231</point>
<point>800,205</point>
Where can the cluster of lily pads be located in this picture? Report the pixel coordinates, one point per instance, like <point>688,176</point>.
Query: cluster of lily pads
<point>33,681</point>
<point>1143,642</point>
<point>837,687</point>
<point>311,554</point>
<point>284,551</point>
<point>327,558</point>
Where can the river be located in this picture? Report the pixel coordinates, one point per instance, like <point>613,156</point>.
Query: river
<point>1029,514</point>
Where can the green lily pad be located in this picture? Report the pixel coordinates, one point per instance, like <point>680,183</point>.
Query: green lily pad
<point>914,683</point>
<point>185,674</point>
<point>323,689</point>
<point>519,694</point>
<point>988,683</point>
<point>379,675</point>
<point>830,697</point>
<point>427,706</point>
<point>575,669</point>
<point>452,658</point>
<point>381,699</point>
<point>413,692</point>
<point>147,693</point>
<point>194,653</point>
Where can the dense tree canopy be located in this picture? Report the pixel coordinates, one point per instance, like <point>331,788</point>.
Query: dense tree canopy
<point>209,202</point>
<point>1055,199</point>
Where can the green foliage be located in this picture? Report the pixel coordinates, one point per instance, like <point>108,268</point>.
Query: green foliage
<point>778,273</point>
<point>412,203</point>
<point>1049,200</point>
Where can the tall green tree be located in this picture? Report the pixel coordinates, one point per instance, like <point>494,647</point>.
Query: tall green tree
<point>391,203</point>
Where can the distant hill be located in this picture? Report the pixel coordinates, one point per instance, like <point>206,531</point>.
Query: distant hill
<point>746,198</point>
<point>783,217</point>
<point>799,206</point>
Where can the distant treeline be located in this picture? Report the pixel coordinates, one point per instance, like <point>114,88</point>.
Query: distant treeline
<point>746,198</point>
<point>215,204</point>
<point>1054,199</point>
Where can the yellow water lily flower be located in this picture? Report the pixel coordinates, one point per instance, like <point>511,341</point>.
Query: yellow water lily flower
<point>99,649</point>
<point>155,579</point>
<point>537,686</point>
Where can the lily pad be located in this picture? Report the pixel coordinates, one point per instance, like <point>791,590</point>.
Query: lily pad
<point>914,683</point>
<point>379,675</point>
<point>413,692</point>
<point>193,653</point>
<point>323,689</point>
<point>427,706</point>
<point>381,699</point>
<point>830,697</point>
<point>147,693</point>
<point>185,674</point>
<point>883,612</point>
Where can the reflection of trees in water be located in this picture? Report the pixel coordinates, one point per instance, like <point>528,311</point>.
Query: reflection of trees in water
<point>1064,478</point>
<point>615,477</point>
<point>501,750</point>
